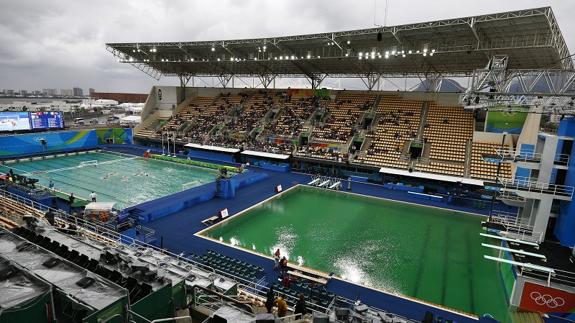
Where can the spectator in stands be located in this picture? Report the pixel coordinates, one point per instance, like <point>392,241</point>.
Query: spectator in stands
<point>282,307</point>
<point>93,196</point>
<point>300,307</point>
<point>49,216</point>
<point>270,299</point>
<point>71,199</point>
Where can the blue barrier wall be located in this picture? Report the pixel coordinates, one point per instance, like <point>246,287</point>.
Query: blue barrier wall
<point>211,155</point>
<point>565,225</point>
<point>31,143</point>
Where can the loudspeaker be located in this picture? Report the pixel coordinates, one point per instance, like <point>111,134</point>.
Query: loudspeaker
<point>379,36</point>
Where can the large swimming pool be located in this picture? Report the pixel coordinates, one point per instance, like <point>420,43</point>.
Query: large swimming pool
<point>124,179</point>
<point>429,253</point>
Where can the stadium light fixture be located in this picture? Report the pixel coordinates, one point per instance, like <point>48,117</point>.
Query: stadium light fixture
<point>265,47</point>
<point>424,53</point>
<point>410,51</point>
<point>255,58</point>
<point>318,56</point>
<point>218,59</point>
<point>431,54</point>
<point>292,57</point>
<point>346,54</point>
<point>213,49</point>
<point>308,56</point>
<point>348,42</point>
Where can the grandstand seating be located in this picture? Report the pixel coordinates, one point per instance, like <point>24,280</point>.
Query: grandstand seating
<point>230,266</point>
<point>342,114</point>
<point>271,121</point>
<point>482,169</point>
<point>397,121</point>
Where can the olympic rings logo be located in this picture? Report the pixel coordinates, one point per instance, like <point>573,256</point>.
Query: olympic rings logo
<point>547,300</point>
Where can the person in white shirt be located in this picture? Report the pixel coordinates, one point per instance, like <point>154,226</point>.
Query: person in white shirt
<point>93,196</point>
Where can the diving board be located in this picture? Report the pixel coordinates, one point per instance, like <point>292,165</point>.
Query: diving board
<point>322,184</point>
<point>521,264</point>
<point>509,239</point>
<point>264,154</point>
<point>516,251</point>
<point>437,177</point>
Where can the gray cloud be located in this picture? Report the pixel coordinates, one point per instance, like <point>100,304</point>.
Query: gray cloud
<point>60,43</point>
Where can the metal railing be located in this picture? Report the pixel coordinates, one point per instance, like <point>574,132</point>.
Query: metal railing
<point>91,230</point>
<point>530,185</point>
<point>515,227</point>
<point>528,156</point>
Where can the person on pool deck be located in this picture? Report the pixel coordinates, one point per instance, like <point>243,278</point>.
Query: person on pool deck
<point>93,196</point>
<point>277,259</point>
<point>51,185</point>
<point>71,199</point>
<point>270,299</point>
<point>283,266</point>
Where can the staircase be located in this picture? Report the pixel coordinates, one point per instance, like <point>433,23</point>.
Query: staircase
<point>468,148</point>
<point>423,120</point>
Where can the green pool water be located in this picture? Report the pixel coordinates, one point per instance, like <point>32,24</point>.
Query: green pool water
<point>428,253</point>
<point>125,179</point>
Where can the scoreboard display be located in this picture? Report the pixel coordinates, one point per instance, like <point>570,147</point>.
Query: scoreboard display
<point>46,120</point>
<point>14,121</point>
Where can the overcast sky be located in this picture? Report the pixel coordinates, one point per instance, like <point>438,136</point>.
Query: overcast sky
<point>60,43</point>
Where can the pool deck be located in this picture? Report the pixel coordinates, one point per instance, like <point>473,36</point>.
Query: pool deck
<point>177,233</point>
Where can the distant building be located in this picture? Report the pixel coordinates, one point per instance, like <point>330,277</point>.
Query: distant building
<point>36,93</point>
<point>78,91</point>
<point>24,92</point>
<point>120,97</point>
<point>49,92</point>
<point>9,92</point>
<point>66,92</point>
<point>91,91</point>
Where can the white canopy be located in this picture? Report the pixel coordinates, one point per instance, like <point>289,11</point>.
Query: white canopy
<point>437,177</point>
<point>214,148</point>
<point>263,154</point>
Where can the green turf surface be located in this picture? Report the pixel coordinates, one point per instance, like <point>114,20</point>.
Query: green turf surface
<point>125,179</point>
<point>505,121</point>
<point>428,253</point>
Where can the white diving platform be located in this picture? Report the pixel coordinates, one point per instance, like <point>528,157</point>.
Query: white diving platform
<point>213,148</point>
<point>510,239</point>
<point>521,264</point>
<point>517,251</point>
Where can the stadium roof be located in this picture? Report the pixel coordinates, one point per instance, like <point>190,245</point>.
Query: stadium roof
<point>454,47</point>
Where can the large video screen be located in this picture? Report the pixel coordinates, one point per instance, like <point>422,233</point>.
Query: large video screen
<point>46,120</point>
<point>14,121</point>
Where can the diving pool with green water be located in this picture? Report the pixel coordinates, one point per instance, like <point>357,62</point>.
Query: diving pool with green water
<point>424,252</point>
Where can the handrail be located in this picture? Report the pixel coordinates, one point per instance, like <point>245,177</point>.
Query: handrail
<point>531,185</point>
<point>529,156</point>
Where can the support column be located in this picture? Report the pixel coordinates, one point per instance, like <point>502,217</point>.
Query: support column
<point>225,79</point>
<point>371,80</point>
<point>316,79</point>
<point>184,79</point>
<point>266,79</point>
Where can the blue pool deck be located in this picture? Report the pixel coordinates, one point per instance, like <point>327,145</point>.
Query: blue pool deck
<point>176,233</point>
